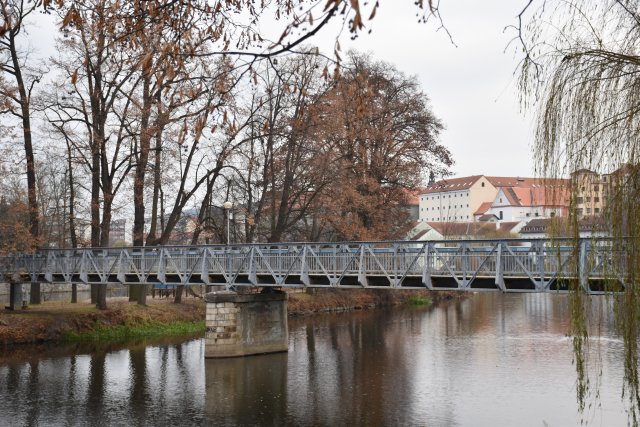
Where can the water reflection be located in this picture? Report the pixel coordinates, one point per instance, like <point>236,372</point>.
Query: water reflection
<point>247,391</point>
<point>490,360</point>
<point>143,385</point>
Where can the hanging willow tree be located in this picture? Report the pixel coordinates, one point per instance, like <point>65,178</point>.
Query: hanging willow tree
<point>581,72</point>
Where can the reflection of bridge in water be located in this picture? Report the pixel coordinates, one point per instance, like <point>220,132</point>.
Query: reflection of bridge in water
<point>512,265</point>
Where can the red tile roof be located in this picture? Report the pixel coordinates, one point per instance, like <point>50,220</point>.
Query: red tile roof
<point>484,207</point>
<point>487,217</point>
<point>508,225</point>
<point>462,228</point>
<point>464,183</point>
<point>420,234</point>
<point>452,184</point>
<point>562,225</point>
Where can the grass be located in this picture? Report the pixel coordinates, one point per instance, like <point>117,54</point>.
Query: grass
<point>417,300</point>
<point>128,332</point>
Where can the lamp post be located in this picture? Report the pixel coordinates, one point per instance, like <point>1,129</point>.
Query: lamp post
<point>227,207</point>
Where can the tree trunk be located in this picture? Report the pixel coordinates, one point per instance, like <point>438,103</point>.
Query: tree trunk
<point>157,185</point>
<point>141,166</point>
<point>72,201</point>
<point>34,225</point>
<point>102,296</point>
<point>142,296</point>
<point>95,208</point>
<point>178,298</point>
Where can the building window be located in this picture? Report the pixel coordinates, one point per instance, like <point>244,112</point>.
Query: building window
<point>579,200</point>
<point>501,200</point>
<point>588,199</point>
<point>500,214</point>
<point>596,210</point>
<point>596,199</point>
<point>595,188</point>
<point>579,211</point>
<point>536,213</point>
<point>528,214</point>
<point>588,210</point>
<point>552,214</point>
<point>482,184</point>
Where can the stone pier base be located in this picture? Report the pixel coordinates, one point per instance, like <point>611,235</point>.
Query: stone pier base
<point>242,325</point>
<point>15,296</point>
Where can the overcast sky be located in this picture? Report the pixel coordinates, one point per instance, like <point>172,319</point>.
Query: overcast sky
<point>472,84</point>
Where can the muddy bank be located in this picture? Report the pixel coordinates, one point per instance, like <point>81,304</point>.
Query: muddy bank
<point>333,300</point>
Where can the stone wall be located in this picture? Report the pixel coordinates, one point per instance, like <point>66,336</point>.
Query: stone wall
<point>241,325</point>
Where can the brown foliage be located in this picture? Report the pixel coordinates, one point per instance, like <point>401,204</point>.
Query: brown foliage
<point>384,139</point>
<point>14,227</point>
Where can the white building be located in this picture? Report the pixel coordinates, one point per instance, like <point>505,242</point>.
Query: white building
<point>455,199</point>
<point>525,203</point>
<point>507,198</point>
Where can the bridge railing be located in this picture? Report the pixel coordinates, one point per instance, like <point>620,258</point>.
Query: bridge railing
<point>532,264</point>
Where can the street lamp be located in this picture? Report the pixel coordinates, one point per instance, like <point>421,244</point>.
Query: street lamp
<point>227,207</point>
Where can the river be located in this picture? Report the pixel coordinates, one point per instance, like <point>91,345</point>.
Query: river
<point>490,360</point>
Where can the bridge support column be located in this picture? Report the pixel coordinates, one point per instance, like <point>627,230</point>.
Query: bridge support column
<point>15,293</point>
<point>242,325</point>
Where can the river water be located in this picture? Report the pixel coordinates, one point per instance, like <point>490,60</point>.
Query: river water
<point>490,360</point>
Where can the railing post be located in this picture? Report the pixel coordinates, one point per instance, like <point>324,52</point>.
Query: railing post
<point>227,266</point>
<point>304,267</point>
<point>362,269</point>
<point>541,270</point>
<point>583,265</point>
<point>426,269</point>
<point>499,269</point>
<point>465,264</point>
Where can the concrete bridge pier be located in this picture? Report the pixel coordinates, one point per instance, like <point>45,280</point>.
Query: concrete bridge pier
<point>245,324</point>
<point>16,294</point>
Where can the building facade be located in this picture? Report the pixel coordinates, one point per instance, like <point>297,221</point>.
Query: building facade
<point>479,197</point>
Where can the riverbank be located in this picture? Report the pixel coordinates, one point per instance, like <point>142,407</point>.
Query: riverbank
<point>336,300</point>
<point>57,321</point>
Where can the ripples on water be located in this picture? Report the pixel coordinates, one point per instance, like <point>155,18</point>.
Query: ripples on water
<point>491,360</point>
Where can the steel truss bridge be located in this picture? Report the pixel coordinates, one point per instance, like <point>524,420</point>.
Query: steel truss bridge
<point>511,265</point>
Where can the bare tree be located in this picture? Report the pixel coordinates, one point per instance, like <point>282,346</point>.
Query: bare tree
<point>17,92</point>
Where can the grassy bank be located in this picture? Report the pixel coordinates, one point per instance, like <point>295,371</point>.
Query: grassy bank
<point>66,322</point>
<point>125,332</point>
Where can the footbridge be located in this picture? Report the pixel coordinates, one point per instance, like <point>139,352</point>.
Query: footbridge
<point>509,265</point>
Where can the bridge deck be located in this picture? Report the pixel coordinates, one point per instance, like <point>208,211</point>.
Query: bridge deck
<point>514,265</point>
